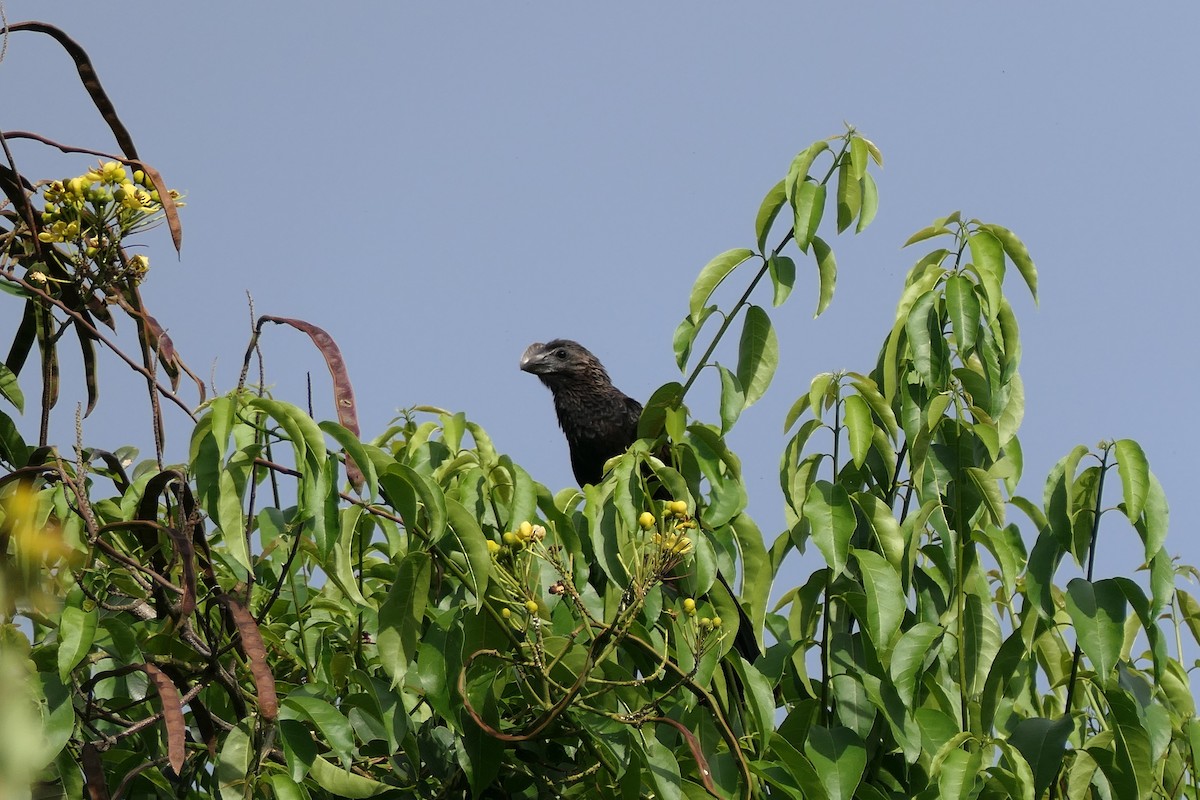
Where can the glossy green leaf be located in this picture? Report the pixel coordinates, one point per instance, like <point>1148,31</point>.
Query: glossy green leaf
<point>1098,612</point>
<point>472,542</point>
<point>401,615</point>
<point>76,632</point>
<point>334,727</point>
<point>663,769</point>
<point>1135,476</point>
<point>987,255</point>
<point>849,195</point>
<point>885,597</point>
<point>870,203</point>
<point>919,339</point>
<point>839,756</point>
<point>1153,524</point>
<point>733,399</point>
<point>827,271</point>
<point>808,205</point>
<point>783,278</point>
<point>1016,251</point>
<point>800,166</point>
<point>1042,742</point>
<point>767,212</point>
<point>758,354</point>
<point>348,546</point>
<point>711,276</point>
<point>233,772</point>
<point>10,389</point>
<point>914,647</point>
<point>343,783</point>
<point>856,415</point>
<point>685,335</point>
<point>926,233</point>
<point>301,431</point>
<point>963,307</point>
<point>831,517</point>
<point>859,157</point>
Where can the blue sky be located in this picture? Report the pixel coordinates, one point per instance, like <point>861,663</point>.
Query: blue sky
<point>439,185</point>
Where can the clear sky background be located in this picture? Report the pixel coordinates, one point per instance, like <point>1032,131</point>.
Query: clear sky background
<point>438,185</point>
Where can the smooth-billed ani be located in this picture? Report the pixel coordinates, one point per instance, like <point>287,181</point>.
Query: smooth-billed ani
<point>600,422</point>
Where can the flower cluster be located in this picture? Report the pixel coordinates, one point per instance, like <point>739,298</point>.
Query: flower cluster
<point>94,212</point>
<point>514,569</point>
<point>670,542</point>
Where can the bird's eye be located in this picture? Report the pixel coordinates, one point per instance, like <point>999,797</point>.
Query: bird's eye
<point>560,353</point>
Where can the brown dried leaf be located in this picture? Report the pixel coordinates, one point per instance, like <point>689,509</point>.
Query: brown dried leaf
<point>698,754</point>
<point>343,391</point>
<point>87,74</point>
<point>93,772</point>
<point>256,653</point>
<point>172,711</point>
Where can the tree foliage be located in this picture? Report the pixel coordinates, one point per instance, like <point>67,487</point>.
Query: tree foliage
<point>299,611</point>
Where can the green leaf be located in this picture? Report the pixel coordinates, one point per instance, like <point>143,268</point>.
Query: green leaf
<point>926,233</point>
<point>767,212</point>
<point>1019,255</point>
<point>798,170</point>
<point>12,447</point>
<point>783,277</point>
<point>859,156</point>
<point>711,276</point>
<point>334,727</point>
<point>1152,525</point>
<point>234,775</point>
<point>758,354</point>
<point>401,615</point>
<point>849,195</point>
<point>989,492</point>
<point>920,341</point>
<point>473,543</point>
<point>76,632</point>
<point>808,205</point>
<point>685,335</point>
<point>856,415</point>
<point>885,597</point>
<point>870,203</point>
<point>1135,477</point>
<point>302,432</point>
<point>988,256</point>
<point>1098,612</point>
<point>827,271</point>
<point>963,307</point>
<point>349,539</point>
<point>831,517</point>
<point>733,399</point>
<point>663,769</point>
<point>913,648</point>
<point>343,783</point>
<point>840,758</point>
<point>10,389</point>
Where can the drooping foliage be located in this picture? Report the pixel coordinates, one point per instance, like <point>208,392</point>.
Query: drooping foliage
<point>300,611</point>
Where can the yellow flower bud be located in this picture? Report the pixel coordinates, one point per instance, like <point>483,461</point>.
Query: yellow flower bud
<point>677,507</point>
<point>706,623</point>
<point>525,530</point>
<point>510,539</point>
<point>492,547</point>
<point>504,612</point>
<point>716,622</point>
<point>531,606</point>
<point>646,520</point>
<point>139,177</point>
<point>689,606</point>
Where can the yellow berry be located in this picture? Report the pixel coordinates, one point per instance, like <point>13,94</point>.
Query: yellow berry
<point>646,520</point>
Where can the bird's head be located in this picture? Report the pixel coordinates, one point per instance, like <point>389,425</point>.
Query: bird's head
<point>559,362</point>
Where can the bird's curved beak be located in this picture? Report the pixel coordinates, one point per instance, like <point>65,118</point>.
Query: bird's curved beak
<point>534,359</point>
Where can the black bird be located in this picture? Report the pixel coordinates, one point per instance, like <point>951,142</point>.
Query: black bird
<point>600,422</point>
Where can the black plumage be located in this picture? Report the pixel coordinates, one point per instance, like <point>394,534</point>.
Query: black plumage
<point>600,422</point>
<point>598,419</point>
